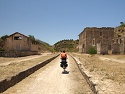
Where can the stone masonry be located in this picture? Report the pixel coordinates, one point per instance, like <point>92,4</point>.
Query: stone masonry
<point>100,38</point>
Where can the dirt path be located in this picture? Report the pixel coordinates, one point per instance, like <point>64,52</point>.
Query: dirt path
<point>22,59</point>
<point>51,80</point>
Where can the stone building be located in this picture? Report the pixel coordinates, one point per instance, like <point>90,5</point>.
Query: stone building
<point>21,44</point>
<point>100,38</point>
<point>118,44</point>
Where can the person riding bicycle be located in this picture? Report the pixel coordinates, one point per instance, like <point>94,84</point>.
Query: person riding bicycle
<point>63,55</point>
<point>63,58</point>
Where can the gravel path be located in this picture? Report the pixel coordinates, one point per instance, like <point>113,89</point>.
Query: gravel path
<point>51,80</point>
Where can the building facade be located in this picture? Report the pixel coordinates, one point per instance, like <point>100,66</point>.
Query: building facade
<point>118,44</point>
<point>100,38</point>
<point>21,44</point>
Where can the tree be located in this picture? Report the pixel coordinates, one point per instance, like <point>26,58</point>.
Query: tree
<point>1,42</point>
<point>32,37</point>
<point>1,49</point>
<point>122,24</point>
<point>38,41</point>
<point>4,37</point>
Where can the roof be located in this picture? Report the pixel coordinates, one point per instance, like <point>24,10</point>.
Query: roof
<point>96,28</point>
<point>23,35</point>
<point>17,33</point>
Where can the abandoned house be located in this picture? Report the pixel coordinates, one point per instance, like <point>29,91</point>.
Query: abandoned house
<point>21,44</point>
<point>118,45</point>
<point>100,38</point>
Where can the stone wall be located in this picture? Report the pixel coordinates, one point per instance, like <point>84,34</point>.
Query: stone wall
<point>115,49</point>
<point>104,49</point>
<point>17,54</point>
<point>90,37</point>
<point>20,42</point>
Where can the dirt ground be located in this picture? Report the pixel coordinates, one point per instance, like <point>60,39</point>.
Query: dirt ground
<point>106,71</point>
<point>51,79</point>
<point>12,66</point>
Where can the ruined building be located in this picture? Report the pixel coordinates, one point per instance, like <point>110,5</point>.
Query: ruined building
<point>19,44</point>
<point>106,40</point>
<point>118,43</point>
<point>100,38</point>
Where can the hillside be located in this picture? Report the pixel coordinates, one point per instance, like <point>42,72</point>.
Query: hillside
<point>67,45</point>
<point>45,47</point>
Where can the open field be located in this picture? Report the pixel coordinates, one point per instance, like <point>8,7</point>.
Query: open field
<point>51,79</point>
<point>106,71</point>
<point>12,66</point>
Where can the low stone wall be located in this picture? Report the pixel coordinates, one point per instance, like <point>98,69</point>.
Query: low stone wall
<point>91,84</point>
<point>17,54</point>
<point>8,54</point>
<point>5,84</point>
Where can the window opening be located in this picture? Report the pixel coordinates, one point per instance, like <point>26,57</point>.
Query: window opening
<point>93,42</point>
<point>100,33</point>
<point>120,41</point>
<point>17,38</point>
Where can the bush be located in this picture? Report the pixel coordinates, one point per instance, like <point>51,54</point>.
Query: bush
<point>92,50</point>
<point>1,49</point>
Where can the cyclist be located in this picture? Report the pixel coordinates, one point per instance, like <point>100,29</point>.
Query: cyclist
<point>63,55</point>
<point>63,58</point>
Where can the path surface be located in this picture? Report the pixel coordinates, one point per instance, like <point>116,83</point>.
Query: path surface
<point>51,80</point>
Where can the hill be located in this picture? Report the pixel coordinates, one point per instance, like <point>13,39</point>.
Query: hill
<point>42,46</point>
<point>67,45</point>
<point>45,47</point>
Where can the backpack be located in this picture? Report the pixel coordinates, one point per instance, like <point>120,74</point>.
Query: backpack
<point>63,55</point>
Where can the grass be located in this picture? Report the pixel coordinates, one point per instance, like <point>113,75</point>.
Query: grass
<point>14,68</point>
<point>107,69</point>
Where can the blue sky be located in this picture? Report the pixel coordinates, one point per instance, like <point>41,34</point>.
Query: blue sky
<point>55,20</point>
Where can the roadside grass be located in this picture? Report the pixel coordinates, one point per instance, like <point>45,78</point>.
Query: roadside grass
<point>14,68</point>
<point>107,69</point>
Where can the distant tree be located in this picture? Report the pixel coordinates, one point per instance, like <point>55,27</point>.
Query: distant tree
<point>39,41</point>
<point>1,49</point>
<point>122,24</point>
<point>1,44</point>
<point>4,37</point>
<point>32,37</point>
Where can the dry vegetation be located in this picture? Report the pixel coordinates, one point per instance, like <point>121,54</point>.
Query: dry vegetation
<point>109,69</point>
<point>105,68</point>
<point>17,65</point>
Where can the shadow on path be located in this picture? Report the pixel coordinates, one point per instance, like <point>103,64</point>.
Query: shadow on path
<point>65,72</point>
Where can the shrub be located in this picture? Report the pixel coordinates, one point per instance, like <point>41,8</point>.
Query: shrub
<point>1,49</point>
<point>92,50</point>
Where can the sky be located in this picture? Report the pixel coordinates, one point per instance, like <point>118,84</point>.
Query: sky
<point>55,20</point>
